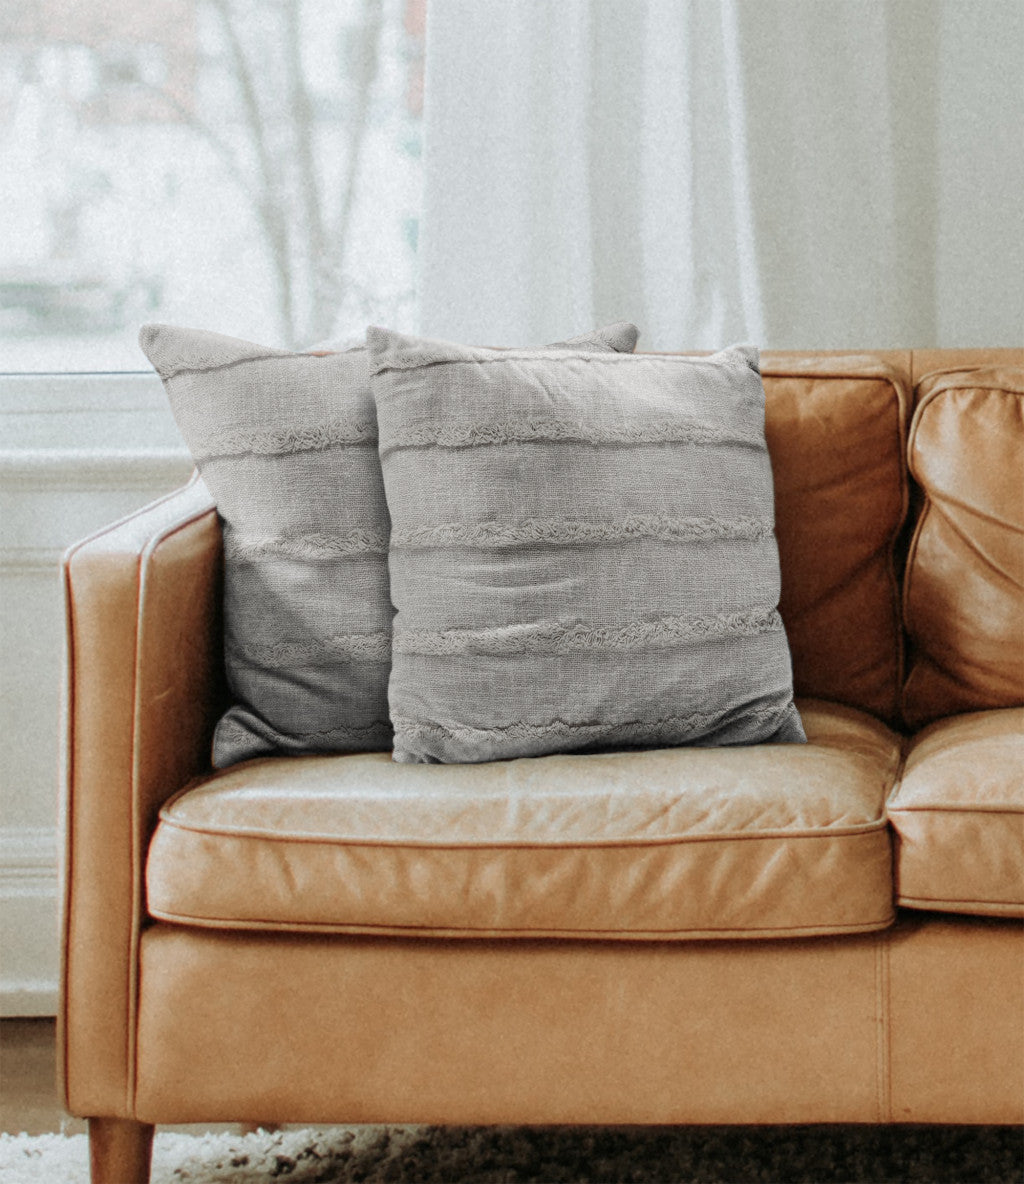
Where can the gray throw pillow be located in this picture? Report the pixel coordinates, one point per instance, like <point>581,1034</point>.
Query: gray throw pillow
<point>287,445</point>
<point>582,552</point>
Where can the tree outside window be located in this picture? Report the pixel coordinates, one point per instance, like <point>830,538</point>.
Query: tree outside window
<point>249,166</point>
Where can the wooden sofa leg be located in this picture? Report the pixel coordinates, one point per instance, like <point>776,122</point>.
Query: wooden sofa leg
<point>120,1151</point>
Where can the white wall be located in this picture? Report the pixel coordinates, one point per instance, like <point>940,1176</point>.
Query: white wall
<point>979,272</point>
<point>75,454</point>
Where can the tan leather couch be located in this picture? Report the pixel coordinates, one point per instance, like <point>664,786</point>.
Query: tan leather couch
<point>776,934</point>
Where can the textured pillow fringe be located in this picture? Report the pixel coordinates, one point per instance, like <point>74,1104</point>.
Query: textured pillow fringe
<point>356,647</point>
<point>556,637</point>
<point>562,531</point>
<point>462,434</point>
<point>283,441</point>
<point>668,728</point>
<point>307,546</point>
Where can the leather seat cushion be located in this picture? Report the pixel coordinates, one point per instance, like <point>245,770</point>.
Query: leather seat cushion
<point>959,815</point>
<point>760,841</point>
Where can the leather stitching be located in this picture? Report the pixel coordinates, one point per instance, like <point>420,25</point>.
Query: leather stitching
<point>1013,908</point>
<point>826,832</point>
<point>144,560</point>
<point>441,931</point>
<point>1011,810</point>
<point>885,1113</point>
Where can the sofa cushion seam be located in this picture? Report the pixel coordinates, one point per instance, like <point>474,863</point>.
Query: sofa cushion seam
<point>823,929</point>
<point>139,852</point>
<point>854,831</point>
<point>1011,904</point>
<point>1010,811</point>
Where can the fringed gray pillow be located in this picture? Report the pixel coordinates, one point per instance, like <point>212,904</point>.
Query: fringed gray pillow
<point>287,445</point>
<point>582,552</point>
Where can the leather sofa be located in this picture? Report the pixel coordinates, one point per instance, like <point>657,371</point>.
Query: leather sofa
<point>775,934</point>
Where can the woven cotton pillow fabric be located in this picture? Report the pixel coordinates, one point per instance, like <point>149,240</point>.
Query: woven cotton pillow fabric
<point>287,445</point>
<point>582,552</point>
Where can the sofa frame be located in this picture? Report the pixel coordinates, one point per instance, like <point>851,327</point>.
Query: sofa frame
<point>922,1022</point>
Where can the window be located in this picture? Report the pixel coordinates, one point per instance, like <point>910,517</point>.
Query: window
<point>248,166</point>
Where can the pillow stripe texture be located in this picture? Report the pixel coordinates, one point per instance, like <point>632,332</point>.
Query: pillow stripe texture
<point>567,531</point>
<point>582,551</point>
<point>497,432</point>
<point>556,637</point>
<point>287,445</point>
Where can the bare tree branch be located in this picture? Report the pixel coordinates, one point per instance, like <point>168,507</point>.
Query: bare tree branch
<point>310,192</point>
<point>267,143</point>
<point>270,206</point>
<point>368,59</point>
<point>220,146</point>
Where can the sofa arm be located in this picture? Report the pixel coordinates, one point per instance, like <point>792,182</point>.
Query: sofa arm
<point>143,688</point>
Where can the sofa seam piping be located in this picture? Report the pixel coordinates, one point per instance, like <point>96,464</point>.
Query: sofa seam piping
<point>1010,811</point>
<point>886,945</point>
<point>856,831</point>
<point>144,561</point>
<point>940,388</point>
<point>69,847</point>
<point>132,985</point>
<point>355,928</point>
<point>904,397</point>
<point>878,1032</point>
<point>918,901</point>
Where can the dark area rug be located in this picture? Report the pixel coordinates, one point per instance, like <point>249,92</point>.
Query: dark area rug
<point>672,1155</point>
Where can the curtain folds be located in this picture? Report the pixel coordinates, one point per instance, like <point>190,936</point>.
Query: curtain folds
<point>800,175</point>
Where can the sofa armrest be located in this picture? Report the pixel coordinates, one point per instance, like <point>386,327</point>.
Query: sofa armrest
<point>143,688</point>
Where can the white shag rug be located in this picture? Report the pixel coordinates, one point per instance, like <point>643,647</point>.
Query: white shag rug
<point>298,1156</point>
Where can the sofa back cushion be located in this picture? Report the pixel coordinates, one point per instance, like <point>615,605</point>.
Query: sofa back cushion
<point>836,428</point>
<point>964,584</point>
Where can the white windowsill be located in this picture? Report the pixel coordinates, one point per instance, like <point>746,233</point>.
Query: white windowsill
<point>109,414</point>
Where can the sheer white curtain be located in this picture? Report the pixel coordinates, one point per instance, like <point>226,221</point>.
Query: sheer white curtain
<point>799,173</point>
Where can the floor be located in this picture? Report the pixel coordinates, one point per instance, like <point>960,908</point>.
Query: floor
<point>28,1083</point>
<point>28,1080</point>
